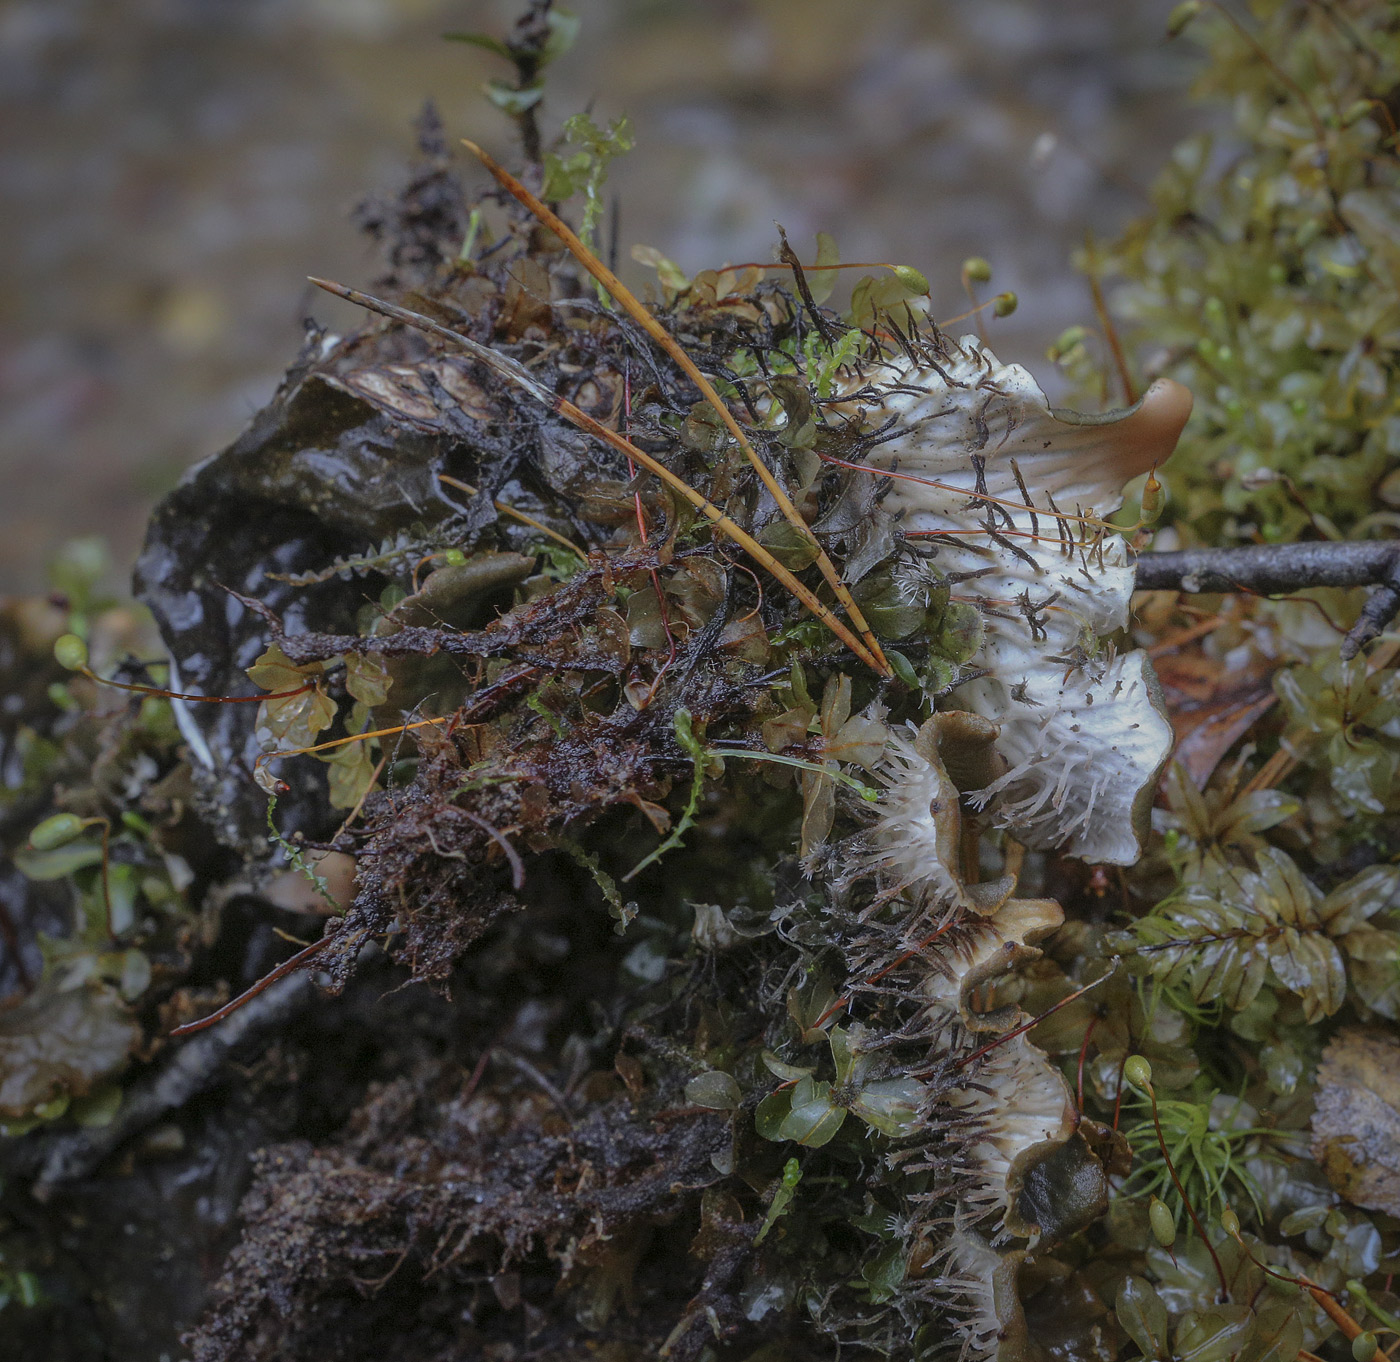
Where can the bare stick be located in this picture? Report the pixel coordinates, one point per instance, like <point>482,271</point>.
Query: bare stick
<point>1277,569</point>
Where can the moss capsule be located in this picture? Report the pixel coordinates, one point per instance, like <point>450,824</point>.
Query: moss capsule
<point>976,269</point>
<point>911,278</point>
<point>70,652</point>
<point>1137,1071</point>
<point>1163,1222</point>
<point>55,831</point>
<point>1004,304</point>
<point>1364,1347</point>
<point>1067,341</point>
<point>1154,498</point>
<point>1229,1222</point>
<point>1181,16</point>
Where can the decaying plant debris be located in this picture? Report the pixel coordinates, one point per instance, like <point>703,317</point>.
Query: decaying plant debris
<point>718,962</point>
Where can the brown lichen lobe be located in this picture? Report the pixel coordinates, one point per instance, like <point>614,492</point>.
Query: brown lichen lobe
<point>1122,445</point>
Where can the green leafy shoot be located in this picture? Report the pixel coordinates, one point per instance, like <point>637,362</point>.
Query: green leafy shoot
<point>585,170</point>
<point>827,363</point>
<point>623,913</point>
<point>685,735</point>
<point>1209,1152</point>
<point>782,1198</point>
<point>296,858</point>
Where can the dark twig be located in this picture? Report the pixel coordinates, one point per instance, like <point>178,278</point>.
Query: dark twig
<point>1278,569</point>
<point>1380,608</point>
<point>789,258</point>
<point>187,1071</point>
<point>527,45</point>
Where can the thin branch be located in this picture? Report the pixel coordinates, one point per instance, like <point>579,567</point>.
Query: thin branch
<point>1279,569</point>
<point>183,1073</point>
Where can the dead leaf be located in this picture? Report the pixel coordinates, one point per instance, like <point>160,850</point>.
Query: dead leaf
<point>61,1044</point>
<point>1207,733</point>
<point>1356,1127</point>
<point>367,678</point>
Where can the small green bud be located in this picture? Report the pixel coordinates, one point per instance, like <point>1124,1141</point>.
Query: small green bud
<point>27,1290</point>
<point>1070,340</point>
<point>903,669</point>
<point>1004,304</point>
<point>1181,16</point>
<point>1356,112</point>
<point>454,558</point>
<point>1364,1347</point>
<point>1277,273</point>
<point>1138,1072</point>
<point>976,269</point>
<point>55,831</point>
<point>1215,309</point>
<point>1229,1222</point>
<point>1225,354</point>
<point>1163,1222</point>
<point>911,278</point>
<point>70,652</point>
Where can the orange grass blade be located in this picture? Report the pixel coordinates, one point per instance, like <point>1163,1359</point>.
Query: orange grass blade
<point>514,514</point>
<point>522,377</point>
<point>1115,346</point>
<point>1334,1311</point>
<point>634,308</point>
<point>354,737</point>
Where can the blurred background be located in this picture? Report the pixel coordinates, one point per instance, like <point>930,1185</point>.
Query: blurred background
<point>171,170</point>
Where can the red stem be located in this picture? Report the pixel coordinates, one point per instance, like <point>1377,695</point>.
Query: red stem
<point>204,699</point>
<point>880,974</point>
<point>282,970</point>
<point>1185,1200</point>
<point>1034,1021</point>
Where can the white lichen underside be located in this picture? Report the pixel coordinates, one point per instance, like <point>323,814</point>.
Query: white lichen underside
<point>1082,730</point>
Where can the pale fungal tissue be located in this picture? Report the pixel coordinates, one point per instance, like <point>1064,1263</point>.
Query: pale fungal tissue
<point>1012,496</point>
<point>987,1127</point>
